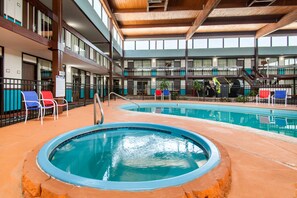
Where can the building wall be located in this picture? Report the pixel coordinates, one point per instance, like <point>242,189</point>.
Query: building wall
<point>12,63</point>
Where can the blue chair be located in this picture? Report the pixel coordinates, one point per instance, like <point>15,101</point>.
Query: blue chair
<point>32,104</point>
<point>279,95</point>
<point>166,93</point>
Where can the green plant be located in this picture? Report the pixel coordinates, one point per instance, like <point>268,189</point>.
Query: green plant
<point>197,86</point>
<point>174,96</point>
<point>164,84</point>
<point>253,93</point>
<point>241,99</point>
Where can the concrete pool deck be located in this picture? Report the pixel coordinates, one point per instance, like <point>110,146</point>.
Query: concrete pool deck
<point>262,166</point>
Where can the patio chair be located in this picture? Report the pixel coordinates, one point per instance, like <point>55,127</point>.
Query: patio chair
<point>32,103</point>
<point>263,95</point>
<point>48,100</point>
<point>279,95</point>
<point>166,93</point>
<point>158,92</point>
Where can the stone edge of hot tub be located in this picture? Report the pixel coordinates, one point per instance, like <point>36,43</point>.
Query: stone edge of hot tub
<point>215,183</point>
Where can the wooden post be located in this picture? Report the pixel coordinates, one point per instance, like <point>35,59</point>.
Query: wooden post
<point>57,50</point>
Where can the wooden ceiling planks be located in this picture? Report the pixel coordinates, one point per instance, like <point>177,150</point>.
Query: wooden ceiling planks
<point>233,27</point>
<point>229,15</point>
<point>251,11</point>
<point>284,21</point>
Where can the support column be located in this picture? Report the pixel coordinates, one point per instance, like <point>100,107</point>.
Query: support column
<point>2,8</point>
<point>111,57</point>
<point>256,50</point>
<point>57,50</point>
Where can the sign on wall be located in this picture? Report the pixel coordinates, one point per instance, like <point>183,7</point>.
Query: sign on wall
<point>60,86</point>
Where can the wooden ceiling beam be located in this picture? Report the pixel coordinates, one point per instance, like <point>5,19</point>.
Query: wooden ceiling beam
<point>210,5</point>
<point>166,5</point>
<point>285,20</point>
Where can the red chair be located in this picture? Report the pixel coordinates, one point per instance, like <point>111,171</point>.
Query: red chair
<point>48,99</point>
<point>158,92</point>
<point>263,95</point>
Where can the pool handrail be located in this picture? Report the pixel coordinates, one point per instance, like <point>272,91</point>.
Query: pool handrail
<point>124,98</point>
<point>97,99</point>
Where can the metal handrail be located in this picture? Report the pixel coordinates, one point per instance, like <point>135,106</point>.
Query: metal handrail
<point>124,98</point>
<point>97,99</point>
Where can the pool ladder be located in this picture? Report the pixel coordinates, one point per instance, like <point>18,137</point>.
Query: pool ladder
<point>124,98</point>
<point>97,100</point>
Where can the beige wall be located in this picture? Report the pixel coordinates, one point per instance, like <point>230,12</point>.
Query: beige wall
<point>12,63</point>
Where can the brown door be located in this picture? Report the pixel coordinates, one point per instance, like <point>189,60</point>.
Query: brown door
<point>130,87</point>
<point>1,85</point>
<point>29,76</point>
<point>76,87</point>
<point>87,87</point>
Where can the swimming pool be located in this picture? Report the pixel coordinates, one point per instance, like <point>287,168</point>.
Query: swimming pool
<point>275,121</point>
<point>128,156</point>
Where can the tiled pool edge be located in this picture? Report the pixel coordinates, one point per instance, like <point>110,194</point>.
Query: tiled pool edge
<point>36,183</point>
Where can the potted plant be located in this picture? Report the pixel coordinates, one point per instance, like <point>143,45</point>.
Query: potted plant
<point>164,84</point>
<point>197,86</point>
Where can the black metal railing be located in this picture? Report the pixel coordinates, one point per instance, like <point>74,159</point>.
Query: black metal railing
<point>11,105</point>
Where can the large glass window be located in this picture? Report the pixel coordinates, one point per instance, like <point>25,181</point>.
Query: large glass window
<point>190,44</point>
<point>216,43</point>
<point>200,43</point>
<point>290,61</point>
<point>170,44</point>
<point>105,18</point>
<point>279,41</point>
<point>160,44</point>
<point>181,44</point>
<point>247,42</point>
<point>129,45</point>
<point>230,42</point>
<point>152,45</point>
<point>264,42</point>
<point>292,40</point>
<point>97,7</point>
<point>142,45</point>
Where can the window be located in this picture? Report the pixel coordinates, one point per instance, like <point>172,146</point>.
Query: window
<point>137,64</point>
<point>160,44</point>
<point>68,39</point>
<point>247,42</point>
<point>74,44</point>
<point>200,43</point>
<point>97,7</point>
<point>152,45</point>
<point>190,44</point>
<point>290,61</point>
<point>81,48</point>
<point>197,63</point>
<point>170,44</point>
<point>142,45</point>
<point>292,40</point>
<point>222,62</point>
<point>264,42</point>
<point>207,63</point>
<point>279,41</point>
<point>231,62</point>
<point>146,63</point>
<point>105,18</point>
<point>230,42</point>
<point>216,43</point>
<point>181,44</point>
<point>129,45</point>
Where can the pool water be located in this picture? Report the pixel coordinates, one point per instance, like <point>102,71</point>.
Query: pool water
<point>129,154</point>
<point>276,121</point>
